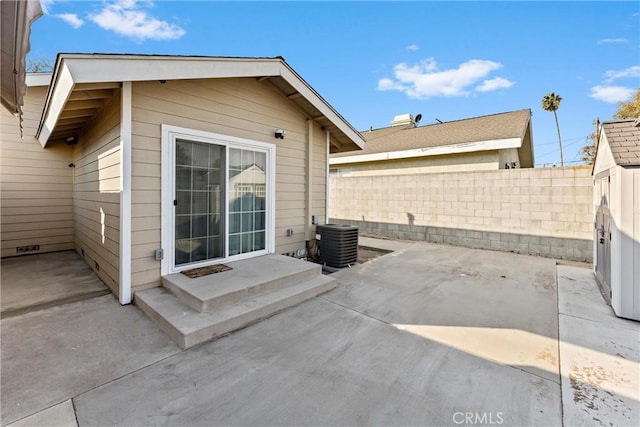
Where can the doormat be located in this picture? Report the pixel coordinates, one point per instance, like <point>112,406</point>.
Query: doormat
<point>205,271</point>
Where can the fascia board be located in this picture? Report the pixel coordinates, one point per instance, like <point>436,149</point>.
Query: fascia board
<point>93,69</point>
<point>38,79</point>
<point>496,144</point>
<point>301,87</point>
<point>59,94</point>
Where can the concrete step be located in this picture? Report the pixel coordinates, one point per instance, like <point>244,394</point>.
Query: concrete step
<point>246,278</point>
<point>188,327</point>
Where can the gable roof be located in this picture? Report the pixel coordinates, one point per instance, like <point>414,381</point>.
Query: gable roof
<point>491,132</point>
<point>78,78</point>
<point>623,137</point>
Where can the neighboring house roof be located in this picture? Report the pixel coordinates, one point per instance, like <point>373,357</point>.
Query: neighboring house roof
<point>16,19</point>
<point>623,137</point>
<point>491,132</point>
<point>81,77</point>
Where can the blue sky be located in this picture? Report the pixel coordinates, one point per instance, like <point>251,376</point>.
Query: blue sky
<point>374,60</point>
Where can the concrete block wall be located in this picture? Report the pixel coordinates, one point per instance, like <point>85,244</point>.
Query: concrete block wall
<point>547,212</point>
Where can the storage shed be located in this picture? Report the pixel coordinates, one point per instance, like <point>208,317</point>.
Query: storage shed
<point>616,243</point>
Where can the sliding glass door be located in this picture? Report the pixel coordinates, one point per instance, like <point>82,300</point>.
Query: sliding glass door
<point>221,206</point>
<point>199,202</point>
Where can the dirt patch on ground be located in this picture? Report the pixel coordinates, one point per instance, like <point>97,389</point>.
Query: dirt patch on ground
<point>366,253</point>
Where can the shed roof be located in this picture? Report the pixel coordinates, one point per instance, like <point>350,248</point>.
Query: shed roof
<point>623,137</point>
<point>83,83</point>
<point>490,132</point>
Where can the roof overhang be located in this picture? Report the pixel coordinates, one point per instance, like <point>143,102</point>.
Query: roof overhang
<point>82,83</point>
<point>467,147</point>
<point>16,18</point>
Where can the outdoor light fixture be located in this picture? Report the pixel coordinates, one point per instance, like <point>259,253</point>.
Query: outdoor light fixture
<point>280,133</point>
<point>72,140</point>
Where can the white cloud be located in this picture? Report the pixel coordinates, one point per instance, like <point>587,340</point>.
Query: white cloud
<point>71,19</point>
<point>494,84</point>
<point>612,41</point>
<point>45,5</point>
<point>128,18</point>
<point>633,71</point>
<point>425,80</point>
<point>413,47</point>
<point>611,94</point>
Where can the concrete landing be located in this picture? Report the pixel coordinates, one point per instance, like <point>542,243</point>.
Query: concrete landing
<point>36,282</point>
<point>246,278</point>
<point>192,311</point>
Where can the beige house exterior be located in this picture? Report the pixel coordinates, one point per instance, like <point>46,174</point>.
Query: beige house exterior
<point>616,240</point>
<point>148,165</point>
<point>497,141</point>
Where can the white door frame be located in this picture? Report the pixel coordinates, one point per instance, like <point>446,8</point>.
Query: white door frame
<point>169,136</point>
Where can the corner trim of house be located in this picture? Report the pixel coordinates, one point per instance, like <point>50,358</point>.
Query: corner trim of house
<point>309,171</point>
<point>326,176</point>
<point>125,195</point>
<point>165,184</point>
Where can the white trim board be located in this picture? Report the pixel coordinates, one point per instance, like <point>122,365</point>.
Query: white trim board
<point>125,195</point>
<point>169,135</point>
<point>467,147</point>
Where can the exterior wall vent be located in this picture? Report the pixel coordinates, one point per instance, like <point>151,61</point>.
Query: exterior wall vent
<point>338,244</point>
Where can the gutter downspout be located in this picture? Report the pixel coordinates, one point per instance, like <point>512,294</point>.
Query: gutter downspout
<point>125,195</point>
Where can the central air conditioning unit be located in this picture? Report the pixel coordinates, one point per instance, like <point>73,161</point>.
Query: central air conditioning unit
<point>338,244</point>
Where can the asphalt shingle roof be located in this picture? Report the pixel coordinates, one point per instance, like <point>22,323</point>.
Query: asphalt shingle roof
<point>485,128</point>
<point>623,137</point>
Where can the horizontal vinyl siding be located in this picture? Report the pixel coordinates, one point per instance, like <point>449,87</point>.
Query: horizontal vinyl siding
<point>319,168</point>
<point>243,108</point>
<point>96,208</point>
<point>36,184</point>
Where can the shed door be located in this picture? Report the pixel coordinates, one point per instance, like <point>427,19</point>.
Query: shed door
<point>602,238</point>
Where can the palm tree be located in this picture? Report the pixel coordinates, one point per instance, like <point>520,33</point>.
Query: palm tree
<point>551,102</point>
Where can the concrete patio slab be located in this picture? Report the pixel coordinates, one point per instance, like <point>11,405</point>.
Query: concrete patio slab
<point>496,305</point>
<point>427,335</point>
<point>321,364</point>
<point>386,244</point>
<point>417,337</point>
<point>61,415</point>
<point>40,281</point>
<point>600,355</point>
<point>52,355</point>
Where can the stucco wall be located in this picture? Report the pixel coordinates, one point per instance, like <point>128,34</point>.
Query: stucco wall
<point>545,212</point>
